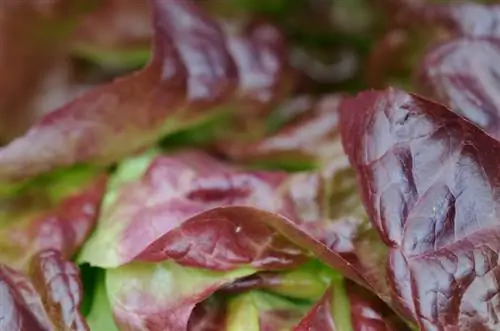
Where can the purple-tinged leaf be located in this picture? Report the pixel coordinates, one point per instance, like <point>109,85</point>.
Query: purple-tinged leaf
<point>429,181</point>
<point>159,215</point>
<point>320,317</point>
<point>463,74</point>
<point>48,300</point>
<point>59,212</point>
<point>190,68</point>
<point>368,313</point>
<point>259,51</point>
<point>58,283</point>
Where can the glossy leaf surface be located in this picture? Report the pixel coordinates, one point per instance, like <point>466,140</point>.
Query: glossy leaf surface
<point>428,180</point>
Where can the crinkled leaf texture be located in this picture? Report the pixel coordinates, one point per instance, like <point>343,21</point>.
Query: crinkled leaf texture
<point>161,296</point>
<point>325,200</point>
<point>58,211</point>
<point>47,300</point>
<point>159,207</point>
<point>190,68</point>
<point>462,72</point>
<point>429,181</point>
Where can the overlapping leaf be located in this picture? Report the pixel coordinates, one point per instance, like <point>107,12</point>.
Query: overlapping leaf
<point>429,182</point>
<point>161,296</point>
<point>48,299</point>
<point>190,68</point>
<point>158,214</point>
<point>58,211</point>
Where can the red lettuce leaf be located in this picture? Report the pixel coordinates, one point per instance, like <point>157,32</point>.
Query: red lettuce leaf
<point>429,179</point>
<point>369,313</point>
<point>320,316</point>
<point>47,300</point>
<point>326,200</point>
<point>463,74</point>
<point>260,53</point>
<point>190,68</point>
<point>309,140</point>
<point>153,211</point>
<point>366,312</point>
<point>178,190</point>
<point>57,212</point>
<point>33,37</point>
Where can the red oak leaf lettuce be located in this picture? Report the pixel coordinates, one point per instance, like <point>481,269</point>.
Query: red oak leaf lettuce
<point>47,300</point>
<point>33,37</point>
<point>326,200</point>
<point>190,68</point>
<point>58,211</point>
<point>154,211</point>
<point>429,182</point>
<point>320,317</point>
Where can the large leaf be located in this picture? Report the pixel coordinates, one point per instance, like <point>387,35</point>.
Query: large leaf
<point>326,200</point>
<point>154,297</point>
<point>463,74</point>
<point>47,300</point>
<point>190,68</point>
<point>58,211</point>
<point>154,211</point>
<point>429,181</point>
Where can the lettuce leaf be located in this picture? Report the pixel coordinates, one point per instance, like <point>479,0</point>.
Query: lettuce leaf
<point>48,299</point>
<point>58,211</point>
<point>428,179</point>
<point>157,212</point>
<point>161,296</point>
<point>189,73</point>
